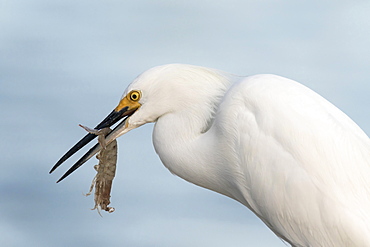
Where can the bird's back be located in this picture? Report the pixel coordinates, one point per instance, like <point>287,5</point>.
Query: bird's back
<point>303,165</point>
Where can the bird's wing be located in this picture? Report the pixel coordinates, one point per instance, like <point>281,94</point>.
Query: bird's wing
<point>306,164</point>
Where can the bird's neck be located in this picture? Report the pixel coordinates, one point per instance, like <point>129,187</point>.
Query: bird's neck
<point>189,147</point>
<point>184,152</point>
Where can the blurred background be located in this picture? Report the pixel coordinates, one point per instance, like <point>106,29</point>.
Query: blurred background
<point>67,62</point>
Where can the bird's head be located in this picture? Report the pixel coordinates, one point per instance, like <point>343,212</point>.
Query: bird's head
<point>184,89</point>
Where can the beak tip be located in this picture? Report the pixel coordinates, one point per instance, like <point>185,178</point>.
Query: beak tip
<point>52,170</point>
<point>110,120</point>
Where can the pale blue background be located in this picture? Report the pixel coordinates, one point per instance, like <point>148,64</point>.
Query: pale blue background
<point>67,62</point>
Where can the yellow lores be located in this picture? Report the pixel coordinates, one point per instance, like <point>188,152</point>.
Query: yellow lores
<point>130,101</point>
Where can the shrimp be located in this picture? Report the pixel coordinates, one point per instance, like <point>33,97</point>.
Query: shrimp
<point>106,170</point>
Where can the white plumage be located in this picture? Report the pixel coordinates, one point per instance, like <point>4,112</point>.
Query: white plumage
<point>299,163</point>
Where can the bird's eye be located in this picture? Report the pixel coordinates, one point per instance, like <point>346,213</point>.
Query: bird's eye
<point>135,95</point>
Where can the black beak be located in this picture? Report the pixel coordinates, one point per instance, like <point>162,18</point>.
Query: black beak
<point>110,120</point>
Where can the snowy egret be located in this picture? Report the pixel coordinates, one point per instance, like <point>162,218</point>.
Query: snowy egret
<point>294,159</point>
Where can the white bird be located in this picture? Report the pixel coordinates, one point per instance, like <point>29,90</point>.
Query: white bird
<point>294,159</point>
